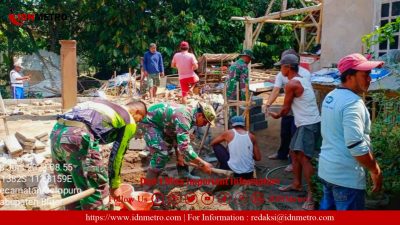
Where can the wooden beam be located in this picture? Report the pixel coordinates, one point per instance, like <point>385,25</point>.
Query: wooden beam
<point>319,28</point>
<point>309,43</point>
<point>238,18</point>
<point>305,25</point>
<point>248,38</point>
<point>260,25</point>
<point>284,5</point>
<point>286,13</point>
<point>297,37</point>
<point>284,21</point>
<point>302,39</point>
<point>310,14</point>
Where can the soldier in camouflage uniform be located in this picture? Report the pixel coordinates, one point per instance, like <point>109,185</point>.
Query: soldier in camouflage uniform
<point>168,124</point>
<point>238,72</point>
<point>77,161</point>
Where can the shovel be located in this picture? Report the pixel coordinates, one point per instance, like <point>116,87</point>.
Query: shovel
<point>66,201</point>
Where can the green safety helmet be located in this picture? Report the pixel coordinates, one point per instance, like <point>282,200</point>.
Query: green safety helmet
<point>208,111</point>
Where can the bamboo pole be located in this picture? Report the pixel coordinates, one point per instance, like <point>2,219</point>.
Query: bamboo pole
<point>260,25</point>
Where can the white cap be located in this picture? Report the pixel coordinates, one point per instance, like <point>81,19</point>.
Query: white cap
<point>18,63</point>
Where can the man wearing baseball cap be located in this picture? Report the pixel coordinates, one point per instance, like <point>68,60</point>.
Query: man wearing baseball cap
<point>17,80</point>
<point>243,149</point>
<point>240,154</point>
<point>186,63</point>
<point>238,72</point>
<point>300,98</point>
<point>346,147</point>
<point>287,122</point>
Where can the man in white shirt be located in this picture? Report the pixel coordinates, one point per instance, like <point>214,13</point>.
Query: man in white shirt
<point>300,97</point>
<point>240,154</point>
<point>17,81</point>
<point>287,122</point>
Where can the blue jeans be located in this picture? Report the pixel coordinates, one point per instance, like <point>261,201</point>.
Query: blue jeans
<point>341,198</point>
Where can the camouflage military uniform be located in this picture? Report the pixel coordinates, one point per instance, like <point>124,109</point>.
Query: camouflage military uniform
<point>75,150</point>
<point>238,72</point>
<point>166,125</point>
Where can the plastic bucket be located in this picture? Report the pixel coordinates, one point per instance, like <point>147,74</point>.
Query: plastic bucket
<point>141,200</point>
<point>126,190</point>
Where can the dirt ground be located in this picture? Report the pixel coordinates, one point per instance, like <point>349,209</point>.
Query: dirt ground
<point>134,169</point>
<point>268,140</point>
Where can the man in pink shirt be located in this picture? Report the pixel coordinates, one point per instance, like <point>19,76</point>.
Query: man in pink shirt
<point>186,63</point>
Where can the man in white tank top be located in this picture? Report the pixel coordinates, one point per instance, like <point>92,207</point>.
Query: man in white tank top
<point>300,98</point>
<point>241,152</point>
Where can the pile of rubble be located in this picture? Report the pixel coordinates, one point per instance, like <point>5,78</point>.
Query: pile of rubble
<point>23,142</point>
<point>36,108</point>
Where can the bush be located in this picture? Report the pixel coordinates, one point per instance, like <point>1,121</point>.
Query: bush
<point>385,138</point>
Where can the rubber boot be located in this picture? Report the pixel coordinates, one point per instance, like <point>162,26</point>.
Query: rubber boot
<point>183,173</point>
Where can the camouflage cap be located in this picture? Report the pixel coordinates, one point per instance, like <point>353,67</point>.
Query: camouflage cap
<point>208,111</point>
<point>249,53</point>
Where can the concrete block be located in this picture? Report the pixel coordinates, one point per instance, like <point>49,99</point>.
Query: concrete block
<point>144,154</point>
<point>41,135</point>
<point>258,101</point>
<point>13,146</point>
<point>259,125</point>
<point>257,118</point>
<point>137,144</point>
<point>39,145</point>
<point>253,110</point>
<point>24,137</point>
<point>39,150</point>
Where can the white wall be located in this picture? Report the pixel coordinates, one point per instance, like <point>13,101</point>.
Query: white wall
<point>344,23</point>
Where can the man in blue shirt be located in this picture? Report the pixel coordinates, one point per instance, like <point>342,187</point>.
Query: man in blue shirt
<point>153,67</point>
<point>346,146</point>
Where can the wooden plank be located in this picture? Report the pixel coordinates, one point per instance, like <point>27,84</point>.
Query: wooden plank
<point>13,146</point>
<point>24,137</point>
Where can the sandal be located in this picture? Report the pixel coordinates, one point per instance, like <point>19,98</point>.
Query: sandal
<point>308,205</point>
<point>273,156</point>
<point>289,168</point>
